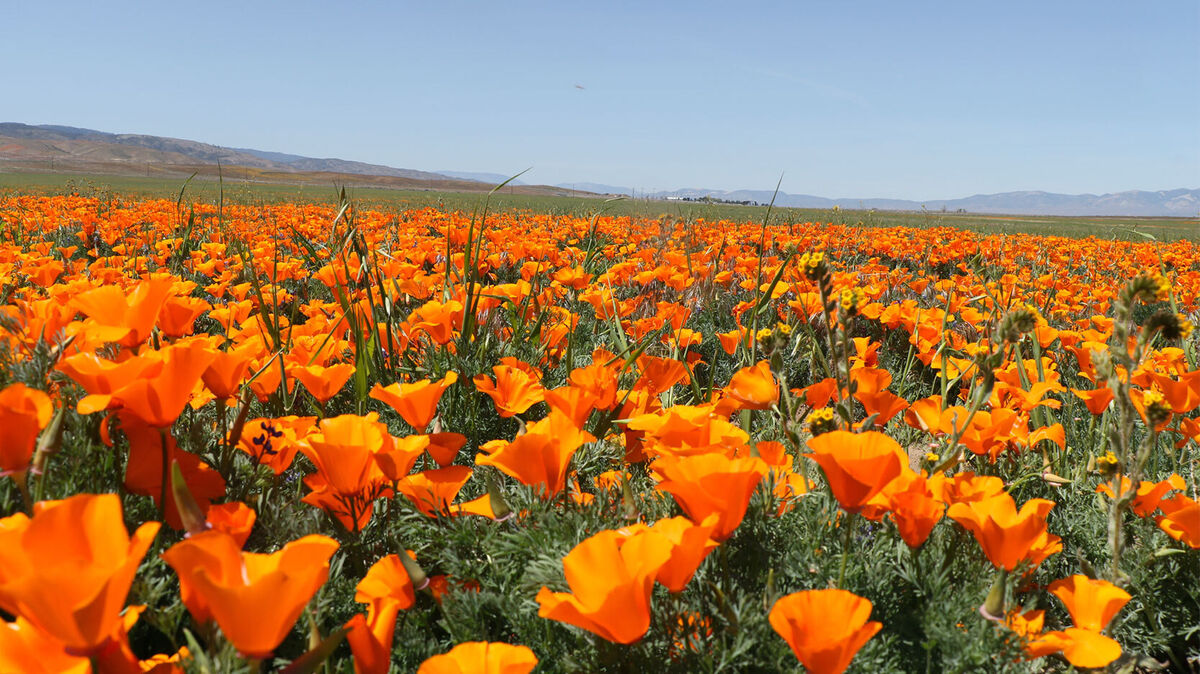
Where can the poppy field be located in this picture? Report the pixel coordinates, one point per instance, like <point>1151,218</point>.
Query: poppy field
<point>304,437</point>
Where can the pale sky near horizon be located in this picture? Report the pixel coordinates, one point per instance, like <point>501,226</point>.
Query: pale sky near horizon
<point>844,99</point>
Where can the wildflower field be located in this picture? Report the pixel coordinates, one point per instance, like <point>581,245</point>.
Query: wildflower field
<point>287,437</point>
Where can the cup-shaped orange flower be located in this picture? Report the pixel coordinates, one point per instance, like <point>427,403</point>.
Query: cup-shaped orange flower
<point>540,458</point>
<point>67,570</point>
<point>825,628</point>
<point>24,412</point>
<point>323,382</point>
<point>857,465</point>
<point>754,388</point>
<point>432,491</point>
<point>1092,603</point>
<point>274,442</point>
<point>481,657</point>
<point>228,369</point>
<point>707,484</point>
<point>416,401</point>
<point>254,598</point>
<point>513,392</point>
<point>349,478</point>
<point>1006,535</point>
<point>610,585</point>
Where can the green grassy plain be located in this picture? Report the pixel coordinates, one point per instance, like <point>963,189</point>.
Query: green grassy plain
<point>205,189</point>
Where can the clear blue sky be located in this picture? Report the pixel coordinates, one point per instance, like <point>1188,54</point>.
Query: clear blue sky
<point>846,99</point>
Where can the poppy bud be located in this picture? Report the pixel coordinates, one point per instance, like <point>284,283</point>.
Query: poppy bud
<point>50,442</point>
<point>193,518</point>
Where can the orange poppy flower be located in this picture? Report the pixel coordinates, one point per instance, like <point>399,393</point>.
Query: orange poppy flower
<point>1096,400</point>
<point>228,369</point>
<point>344,450</point>
<point>386,590</point>
<point>123,317</point>
<point>481,657</point>
<point>234,518</point>
<point>576,403</point>
<point>254,598</point>
<point>1091,603</point>
<point>915,511</point>
<point>24,412</point>
<point>1006,535</point>
<point>323,382</point>
<point>397,459</point>
<point>417,401</point>
<point>67,570</point>
<point>857,465</point>
<point>444,447</point>
<point>541,456</point>
<point>438,320</point>
<point>274,442</point>
<point>825,628</point>
<point>690,545</point>
<point>432,491</point>
<point>160,392</point>
<point>1149,494</point>
<point>513,392</point>
<point>754,388</point>
<point>1180,520</point>
<point>707,484</point>
<point>610,585</point>
<point>1082,648</point>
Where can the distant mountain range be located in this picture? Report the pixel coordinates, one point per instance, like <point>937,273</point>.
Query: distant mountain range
<point>1164,203</point>
<point>28,147</point>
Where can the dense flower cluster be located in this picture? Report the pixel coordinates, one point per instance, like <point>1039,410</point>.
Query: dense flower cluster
<point>390,374</point>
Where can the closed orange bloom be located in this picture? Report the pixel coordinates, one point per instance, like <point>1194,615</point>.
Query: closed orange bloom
<point>481,657</point>
<point>68,569</point>
<point>1091,603</point>
<point>825,628</point>
<point>610,585</point>
<point>705,484</point>
<point>224,375</point>
<point>443,447</point>
<point>857,465</point>
<point>323,382</point>
<point>417,401</point>
<point>234,518</point>
<point>541,456</point>
<point>513,392</point>
<point>1006,535</point>
<point>386,590</point>
<point>254,598</point>
<point>24,412</point>
<point>754,387</point>
<point>915,512</point>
